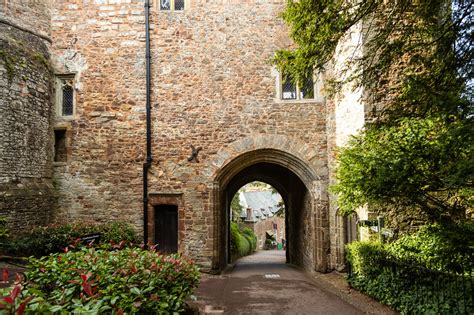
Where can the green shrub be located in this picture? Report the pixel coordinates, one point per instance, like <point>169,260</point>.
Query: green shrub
<point>54,238</point>
<point>241,243</point>
<point>97,281</point>
<point>244,248</point>
<point>438,247</point>
<point>406,286</point>
<point>251,237</point>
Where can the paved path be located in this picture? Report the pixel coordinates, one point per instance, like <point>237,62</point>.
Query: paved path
<point>262,284</point>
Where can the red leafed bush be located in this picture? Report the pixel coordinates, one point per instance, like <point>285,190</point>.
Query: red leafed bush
<point>96,281</point>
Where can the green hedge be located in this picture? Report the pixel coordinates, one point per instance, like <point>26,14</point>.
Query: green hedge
<point>438,247</point>
<point>242,242</point>
<point>98,281</point>
<point>251,238</point>
<point>45,240</point>
<point>406,285</point>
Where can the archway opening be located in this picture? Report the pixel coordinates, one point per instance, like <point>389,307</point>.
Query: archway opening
<point>257,221</point>
<point>300,219</point>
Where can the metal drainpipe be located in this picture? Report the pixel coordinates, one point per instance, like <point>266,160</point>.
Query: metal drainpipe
<point>147,164</point>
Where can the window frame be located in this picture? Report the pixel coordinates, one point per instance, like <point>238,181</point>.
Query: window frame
<point>60,79</point>
<point>317,87</point>
<point>172,6</point>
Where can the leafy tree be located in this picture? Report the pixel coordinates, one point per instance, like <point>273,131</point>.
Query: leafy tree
<point>417,53</point>
<point>416,71</point>
<point>256,185</point>
<point>419,164</point>
<point>236,207</point>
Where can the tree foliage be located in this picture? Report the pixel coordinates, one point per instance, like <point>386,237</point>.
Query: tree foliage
<point>417,164</point>
<point>236,207</point>
<point>416,73</point>
<point>417,53</point>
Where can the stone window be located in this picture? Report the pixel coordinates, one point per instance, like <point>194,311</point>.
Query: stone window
<point>172,5</point>
<point>308,91</point>
<point>65,96</point>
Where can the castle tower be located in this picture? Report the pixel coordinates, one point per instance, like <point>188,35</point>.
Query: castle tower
<point>26,87</point>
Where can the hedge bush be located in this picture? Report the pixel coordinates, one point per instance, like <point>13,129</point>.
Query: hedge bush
<point>406,285</point>
<point>251,238</point>
<point>448,248</point>
<point>97,281</point>
<point>239,245</point>
<point>242,242</point>
<point>45,240</point>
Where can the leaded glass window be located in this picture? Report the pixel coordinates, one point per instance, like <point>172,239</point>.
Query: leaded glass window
<point>288,88</point>
<point>65,95</point>
<point>68,100</point>
<point>172,5</point>
<point>307,88</point>
<point>179,5</point>
<point>302,91</point>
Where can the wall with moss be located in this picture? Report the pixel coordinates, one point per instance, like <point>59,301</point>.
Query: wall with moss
<point>27,194</point>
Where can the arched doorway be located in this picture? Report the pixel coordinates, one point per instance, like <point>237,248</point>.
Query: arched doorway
<point>306,211</point>
<point>257,216</point>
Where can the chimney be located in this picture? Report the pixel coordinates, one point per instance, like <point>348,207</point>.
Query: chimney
<point>249,214</point>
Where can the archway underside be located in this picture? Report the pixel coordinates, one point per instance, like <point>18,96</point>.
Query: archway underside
<point>293,181</point>
<point>293,192</point>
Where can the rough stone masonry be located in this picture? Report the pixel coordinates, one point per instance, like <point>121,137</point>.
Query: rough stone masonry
<point>212,87</point>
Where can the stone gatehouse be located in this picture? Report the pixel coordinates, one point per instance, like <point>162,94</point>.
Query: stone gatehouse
<point>73,121</point>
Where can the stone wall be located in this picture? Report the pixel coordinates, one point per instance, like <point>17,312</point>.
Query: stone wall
<point>34,15</point>
<point>213,87</point>
<point>27,194</point>
<point>346,116</point>
<point>260,229</point>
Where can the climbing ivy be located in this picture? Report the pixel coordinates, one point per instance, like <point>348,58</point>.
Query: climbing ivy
<point>9,62</point>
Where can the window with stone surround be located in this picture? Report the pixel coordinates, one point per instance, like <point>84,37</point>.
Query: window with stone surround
<point>309,90</point>
<point>65,95</point>
<point>173,5</point>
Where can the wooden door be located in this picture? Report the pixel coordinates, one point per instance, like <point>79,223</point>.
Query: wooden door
<point>166,228</point>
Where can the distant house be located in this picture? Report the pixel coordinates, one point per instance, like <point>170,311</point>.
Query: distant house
<point>259,210</point>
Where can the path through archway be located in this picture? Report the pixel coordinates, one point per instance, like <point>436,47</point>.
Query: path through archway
<point>294,180</point>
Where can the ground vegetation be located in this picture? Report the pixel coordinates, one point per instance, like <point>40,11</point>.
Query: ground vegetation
<point>113,280</point>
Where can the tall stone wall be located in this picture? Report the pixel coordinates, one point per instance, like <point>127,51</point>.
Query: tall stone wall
<point>345,117</point>
<point>34,15</point>
<point>27,194</point>
<point>213,87</point>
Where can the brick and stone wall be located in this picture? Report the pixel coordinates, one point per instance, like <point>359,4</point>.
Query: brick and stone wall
<point>27,193</point>
<point>261,227</point>
<point>34,15</point>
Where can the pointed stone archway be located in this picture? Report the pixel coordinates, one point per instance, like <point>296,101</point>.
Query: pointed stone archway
<point>302,186</point>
